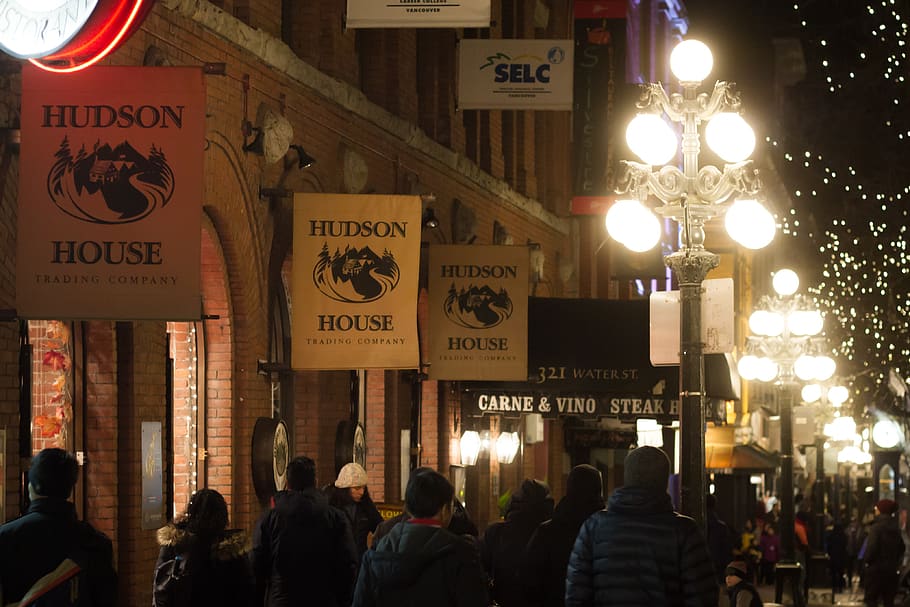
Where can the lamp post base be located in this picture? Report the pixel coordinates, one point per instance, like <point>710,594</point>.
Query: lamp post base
<point>789,575</point>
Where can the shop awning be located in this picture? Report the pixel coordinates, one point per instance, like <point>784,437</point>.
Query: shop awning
<point>722,454</point>
<point>595,352</point>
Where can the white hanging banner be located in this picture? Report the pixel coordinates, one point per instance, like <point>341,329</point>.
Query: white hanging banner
<point>418,13</point>
<point>515,74</point>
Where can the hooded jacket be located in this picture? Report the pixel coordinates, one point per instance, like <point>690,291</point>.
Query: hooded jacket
<point>546,557</point>
<point>419,565</point>
<point>639,552</point>
<point>37,542</point>
<point>219,567</point>
<point>504,543</point>
<point>303,552</point>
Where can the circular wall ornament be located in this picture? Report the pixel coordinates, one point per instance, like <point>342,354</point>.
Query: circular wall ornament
<point>271,454</point>
<point>354,171</point>
<point>350,444</point>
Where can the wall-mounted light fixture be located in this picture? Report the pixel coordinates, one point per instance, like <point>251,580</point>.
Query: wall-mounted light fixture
<point>649,433</point>
<point>470,447</point>
<point>430,222</point>
<point>507,445</point>
<point>304,160</point>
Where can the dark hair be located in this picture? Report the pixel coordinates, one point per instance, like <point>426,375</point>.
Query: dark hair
<point>301,473</point>
<point>427,492</point>
<point>53,473</point>
<point>206,513</point>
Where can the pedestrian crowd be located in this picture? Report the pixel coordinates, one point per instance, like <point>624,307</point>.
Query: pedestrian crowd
<point>328,546</point>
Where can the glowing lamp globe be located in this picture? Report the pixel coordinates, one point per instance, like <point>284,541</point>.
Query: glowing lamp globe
<point>765,322</point>
<point>811,393</point>
<point>470,447</point>
<point>838,395</point>
<point>825,367</point>
<point>632,224</point>
<point>767,369</point>
<point>785,282</point>
<point>748,366</point>
<point>805,367</point>
<point>806,322</point>
<point>730,137</point>
<point>750,224</point>
<point>691,61</point>
<point>651,139</point>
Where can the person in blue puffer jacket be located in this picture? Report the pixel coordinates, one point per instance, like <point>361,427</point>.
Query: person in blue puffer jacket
<point>639,552</point>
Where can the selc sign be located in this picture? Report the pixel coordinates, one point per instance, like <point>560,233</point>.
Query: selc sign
<point>68,35</point>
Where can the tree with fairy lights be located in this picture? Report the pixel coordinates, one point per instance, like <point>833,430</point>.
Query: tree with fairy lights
<point>842,148</point>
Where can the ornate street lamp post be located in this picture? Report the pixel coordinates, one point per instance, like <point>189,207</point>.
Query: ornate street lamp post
<point>691,196</point>
<point>786,348</point>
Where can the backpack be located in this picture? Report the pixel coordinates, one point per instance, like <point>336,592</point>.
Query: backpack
<point>173,583</point>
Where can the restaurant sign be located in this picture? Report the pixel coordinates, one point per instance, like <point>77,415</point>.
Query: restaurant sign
<point>590,406</point>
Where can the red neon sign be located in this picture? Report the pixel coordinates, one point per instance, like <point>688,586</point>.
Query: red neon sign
<point>111,23</point>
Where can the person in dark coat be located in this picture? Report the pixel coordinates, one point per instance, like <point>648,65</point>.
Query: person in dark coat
<point>39,541</point>
<point>884,552</point>
<point>419,562</point>
<point>720,538</point>
<point>217,558</point>
<point>504,543</point>
<point>546,557</point>
<point>460,523</point>
<point>742,593</point>
<point>836,547</point>
<point>639,552</point>
<point>350,494</point>
<point>303,550</point>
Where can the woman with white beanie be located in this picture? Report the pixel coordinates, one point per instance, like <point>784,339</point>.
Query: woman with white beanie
<point>349,494</point>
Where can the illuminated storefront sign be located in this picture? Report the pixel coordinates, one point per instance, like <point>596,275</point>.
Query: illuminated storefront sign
<point>67,35</point>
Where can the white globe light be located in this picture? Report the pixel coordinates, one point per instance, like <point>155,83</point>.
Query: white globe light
<point>730,137</point>
<point>750,224</point>
<point>811,393</point>
<point>841,429</point>
<point>632,224</point>
<point>651,139</point>
<point>621,218</point>
<point>691,61</point>
<point>825,366</point>
<point>805,367</point>
<point>767,370</point>
<point>748,366</point>
<point>645,233</point>
<point>838,395</point>
<point>785,282</point>
<point>806,322</point>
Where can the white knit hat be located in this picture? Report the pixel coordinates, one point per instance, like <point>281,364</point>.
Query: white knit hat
<point>351,475</point>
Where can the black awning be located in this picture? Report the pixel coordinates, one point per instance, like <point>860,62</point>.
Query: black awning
<point>594,347</point>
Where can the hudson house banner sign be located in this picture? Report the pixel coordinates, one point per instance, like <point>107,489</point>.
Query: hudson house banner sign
<point>110,194</point>
<point>418,13</point>
<point>354,281</point>
<point>478,300</point>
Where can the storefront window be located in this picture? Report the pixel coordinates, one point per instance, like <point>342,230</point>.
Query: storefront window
<point>52,384</point>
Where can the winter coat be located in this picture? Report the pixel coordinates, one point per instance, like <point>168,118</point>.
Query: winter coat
<point>37,542</point>
<point>504,543</point>
<point>640,553</point>
<point>770,548</point>
<point>744,594</point>
<point>546,556</point>
<point>303,552</point>
<point>416,565</point>
<point>363,516</point>
<point>219,568</point>
<point>884,546</point>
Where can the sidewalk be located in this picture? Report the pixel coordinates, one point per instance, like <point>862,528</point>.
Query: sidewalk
<point>820,597</point>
